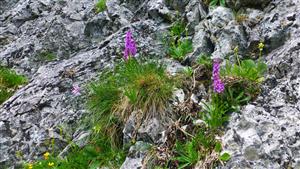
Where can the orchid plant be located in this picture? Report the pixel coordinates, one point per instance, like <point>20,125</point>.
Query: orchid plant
<point>130,46</point>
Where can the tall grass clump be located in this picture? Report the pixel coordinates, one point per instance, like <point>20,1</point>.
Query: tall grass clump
<point>200,151</point>
<point>9,82</point>
<point>141,86</point>
<point>233,85</point>
<point>134,85</point>
<point>101,6</point>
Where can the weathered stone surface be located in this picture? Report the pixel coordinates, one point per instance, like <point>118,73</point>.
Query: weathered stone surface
<point>137,154</point>
<point>195,12</point>
<point>266,133</point>
<point>158,10</point>
<point>202,45</point>
<point>46,102</point>
<point>178,96</point>
<point>236,4</point>
<point>37,26</point>
<point>226,33</point>
<point>177,5</point>
<point>173,67</point>
<point>275,25</point>
<point>218,35</point>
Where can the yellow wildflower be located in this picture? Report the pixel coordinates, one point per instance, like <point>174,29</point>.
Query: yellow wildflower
<point>50,164</point>
<point>46,155</point>
<point>236,50</point>
<point>261,46</point>
<point>30,166</point>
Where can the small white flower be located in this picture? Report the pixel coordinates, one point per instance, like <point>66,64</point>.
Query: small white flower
<point>76,90</point>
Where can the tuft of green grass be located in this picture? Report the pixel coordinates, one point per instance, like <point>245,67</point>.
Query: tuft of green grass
<point>217,2</point>
<point>4,94</point>
<point>46,56</point>
<point>153,87</point>
<point>177,45</point>
<point>188,71</point>
<point>10,79</point>
<point>214,114</point>
<point>177,29</point>
<point>247,70</point>
<point>133,85</point>
<point>245,76</point>
<point>198,148</point>
<point>188,154</point>
<point>9,82</point>
<point>101,6</point>
<point>181,49</point>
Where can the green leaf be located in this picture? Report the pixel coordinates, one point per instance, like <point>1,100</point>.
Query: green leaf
<point>225,157</point>
<point>183,166</point>
<point>94,165</point>
<point>248,63</point>
<point>261,68</point>
<point>213,3</point>
<point>131,95</point>
<point>218,147</point>
<point>222,3</point>
<point>260,80</point>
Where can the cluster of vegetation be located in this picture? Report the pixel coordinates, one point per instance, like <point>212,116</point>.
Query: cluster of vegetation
<point>134,85</point>
<point>214,3</point>
<point>46,56</point>
<point>9,82</point>
<point>98,152</point>
<point>142,86</point>
<point>202,147</point>
<point>242,80</point>
<point>101,6</point>
<point>197,145</point>
<point>177,43</point>
<point>217,2</point>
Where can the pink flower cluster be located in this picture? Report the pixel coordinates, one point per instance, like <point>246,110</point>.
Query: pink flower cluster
<point>218,84</point>
<point>130,47</point>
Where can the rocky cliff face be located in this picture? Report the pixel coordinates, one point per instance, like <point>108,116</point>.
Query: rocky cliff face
<point>264,135</point>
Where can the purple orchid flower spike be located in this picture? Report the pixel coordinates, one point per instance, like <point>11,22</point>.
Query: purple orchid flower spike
<point>76,90</point>
<point>219,86</point>
<point>130,46</point>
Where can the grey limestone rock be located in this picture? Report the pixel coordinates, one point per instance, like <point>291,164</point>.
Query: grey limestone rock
<point>266,133</point>
<point>137,154</point>
<point>236,4</point>
<point>46,102</point>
